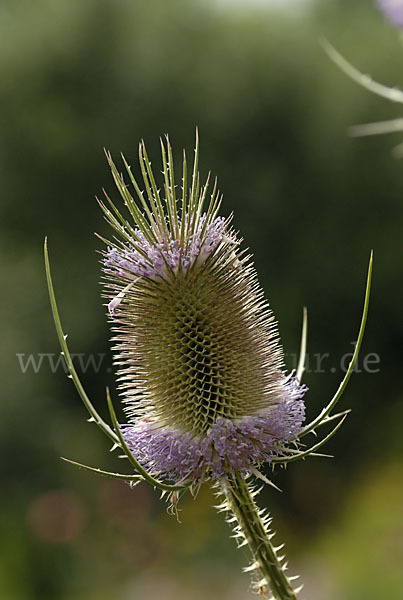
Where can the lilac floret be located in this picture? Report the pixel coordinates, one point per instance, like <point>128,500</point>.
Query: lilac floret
<point>230,444</point>
<point>152,260</point>
<point>392,11</point>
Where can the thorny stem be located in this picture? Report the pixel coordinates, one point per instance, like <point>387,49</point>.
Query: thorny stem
<point>254,529</point>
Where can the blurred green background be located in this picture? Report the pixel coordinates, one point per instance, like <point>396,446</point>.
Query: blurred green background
<point>310,201</point>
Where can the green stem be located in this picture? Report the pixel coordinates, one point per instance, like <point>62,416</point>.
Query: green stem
<point>252,527</point>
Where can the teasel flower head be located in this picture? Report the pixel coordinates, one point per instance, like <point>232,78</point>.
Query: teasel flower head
<point>392,11</point>
<point>196,346</point>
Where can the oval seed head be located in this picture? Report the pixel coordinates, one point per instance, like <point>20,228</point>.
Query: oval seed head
<point>196,345</point>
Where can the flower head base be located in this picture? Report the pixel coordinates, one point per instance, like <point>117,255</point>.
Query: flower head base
<point>229,445</point>
<point>197,350</point>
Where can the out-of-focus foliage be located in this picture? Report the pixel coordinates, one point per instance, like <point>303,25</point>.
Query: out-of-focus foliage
<point>310,201</point>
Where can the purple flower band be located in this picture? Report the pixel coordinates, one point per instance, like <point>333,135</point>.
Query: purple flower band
<point>229,446</point>
<point>152,260</point>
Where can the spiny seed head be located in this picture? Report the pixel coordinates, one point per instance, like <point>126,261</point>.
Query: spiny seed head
<point>196,345</point>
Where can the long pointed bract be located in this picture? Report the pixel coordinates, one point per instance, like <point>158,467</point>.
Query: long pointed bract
<point>115,437</point>
<point>66,353</point>
<point>302,351</point>
<point>322,418</point>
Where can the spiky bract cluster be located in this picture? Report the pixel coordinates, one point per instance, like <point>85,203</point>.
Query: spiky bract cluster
<point>197,349</point>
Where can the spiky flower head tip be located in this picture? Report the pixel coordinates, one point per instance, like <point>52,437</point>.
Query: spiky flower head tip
<point>197,350</point>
